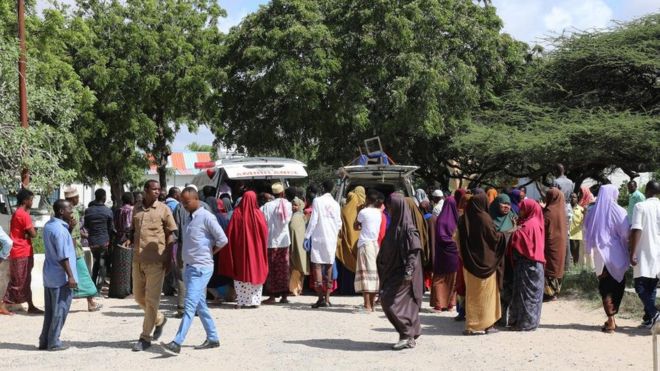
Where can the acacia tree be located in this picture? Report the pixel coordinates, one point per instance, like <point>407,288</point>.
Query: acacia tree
<point>324,75</point>
<point>148,63</point>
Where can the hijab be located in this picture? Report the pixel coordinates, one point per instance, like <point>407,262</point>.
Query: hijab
<point>446,252</point>
<point>401,240</point>
<point>298,258</point>
<point>503,222</point>
<point>482,246</point>
<point>515,200</point>
<point>492,194</point>
<point>458,196</point>
<point>529,239</point>
<point>556,233</point>
<point>348,235</point>
<point>421,226</point>
<point>606,228</point>
<point>587,197</point>
<point>244,258</point>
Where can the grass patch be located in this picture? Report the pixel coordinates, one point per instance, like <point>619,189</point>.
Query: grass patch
<point>38,243</point>
<point>583,284</point>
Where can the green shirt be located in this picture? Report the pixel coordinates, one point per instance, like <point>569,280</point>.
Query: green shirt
<point>635,197</point>
<point>75,234</point>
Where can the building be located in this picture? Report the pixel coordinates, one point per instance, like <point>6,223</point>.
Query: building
<point>181,168</point>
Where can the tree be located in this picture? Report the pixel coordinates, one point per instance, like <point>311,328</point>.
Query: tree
<point>56,97</point>
<point>148,63</point>
<point>196,147</point>
<point>324,75</point>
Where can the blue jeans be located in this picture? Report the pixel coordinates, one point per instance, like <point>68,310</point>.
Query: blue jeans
<point>58,303</point>
<point>196,279</point>
<point>645,289</point>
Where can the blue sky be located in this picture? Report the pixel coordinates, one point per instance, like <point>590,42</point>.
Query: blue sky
<point>527,20</point>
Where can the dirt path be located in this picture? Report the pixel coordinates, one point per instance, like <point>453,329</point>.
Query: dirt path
<point>295,337</point>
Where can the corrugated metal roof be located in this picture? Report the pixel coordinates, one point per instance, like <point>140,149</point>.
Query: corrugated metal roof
<point>183,163</point>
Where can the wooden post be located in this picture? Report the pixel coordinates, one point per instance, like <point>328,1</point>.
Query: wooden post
<point>22,85</point>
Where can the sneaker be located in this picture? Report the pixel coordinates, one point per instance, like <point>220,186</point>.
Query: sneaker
<point>647,323</point>
<point>320,304</point>
<point>655,319</point>
<point>58,348</point>
<point>159,329</point>
<point>141,345</point>
<point>171,347</point>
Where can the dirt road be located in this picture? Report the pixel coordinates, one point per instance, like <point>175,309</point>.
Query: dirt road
<point>296,337</point>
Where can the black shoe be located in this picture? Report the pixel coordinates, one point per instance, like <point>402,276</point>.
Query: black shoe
<point>159,329</point>
<point>141,345</point>
<point>42,347</point>
<point>172,347</point>
<point>208,345</point>
<point>320,304</point>
<point>178,315</point>
<point>57,349</point>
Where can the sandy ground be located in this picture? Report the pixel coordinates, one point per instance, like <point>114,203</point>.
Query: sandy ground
<point>296,337</point>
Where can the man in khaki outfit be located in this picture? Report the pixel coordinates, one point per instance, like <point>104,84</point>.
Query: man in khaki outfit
<point>152,238</point>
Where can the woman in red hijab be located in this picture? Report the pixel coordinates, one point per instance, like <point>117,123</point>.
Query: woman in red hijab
<point>245,257</point>
<point>527,246</point>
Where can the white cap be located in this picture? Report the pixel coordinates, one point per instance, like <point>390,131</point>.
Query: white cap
<point>437,193</point>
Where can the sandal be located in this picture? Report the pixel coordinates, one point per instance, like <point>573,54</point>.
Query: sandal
<point>606,329</point>
<point>472,333</point>
<point>95,308</point>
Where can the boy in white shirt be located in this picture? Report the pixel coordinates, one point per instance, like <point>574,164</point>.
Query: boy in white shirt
<point>366,274</point>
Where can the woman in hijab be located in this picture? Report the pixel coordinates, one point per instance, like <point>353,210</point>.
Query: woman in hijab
<point>400,272</point>
<point>504,219</point>
<point>421,196</point>
<point>445,258</point>
<point>462,199</point>
<point>492,195</point>
<point>299,260</point>
<point>347,242</point>
<point>586,197</point>
<point>420,224</point>
<point>527,246</point>
<point>606,231</point>
<point>515,197</point>
<point>556,236</point>
<point>245,257</point>
<point>482,250</point>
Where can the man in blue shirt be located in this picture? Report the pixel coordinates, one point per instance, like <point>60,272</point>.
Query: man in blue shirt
<point>60,276</point>
<point>202,237</point>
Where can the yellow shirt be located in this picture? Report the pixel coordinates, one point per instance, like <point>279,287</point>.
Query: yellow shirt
<point>576,223</point>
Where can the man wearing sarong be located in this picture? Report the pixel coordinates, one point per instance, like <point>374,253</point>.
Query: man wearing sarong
<point>21,257</point>
<point>322,233</point>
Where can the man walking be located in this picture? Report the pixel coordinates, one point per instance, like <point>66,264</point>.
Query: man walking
<point>60,276</point>
<point>321,239</point>
<point>152,238</point>
<point>645,251</point>
<point>634,197</point>
<point>202,237</point>
<point>99,226</point>
<point>278,214</point>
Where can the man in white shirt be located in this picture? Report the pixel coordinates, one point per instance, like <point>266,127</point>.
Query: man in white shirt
<point>368,222</point>
<point>278,215</point>
<point>645,251</point>
<point>322,232</point>
<point>438,198</point>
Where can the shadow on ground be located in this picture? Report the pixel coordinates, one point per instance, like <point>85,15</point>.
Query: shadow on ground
<point>343,344</point>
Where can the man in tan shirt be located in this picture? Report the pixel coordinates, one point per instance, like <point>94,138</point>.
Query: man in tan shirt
<point>152,238</point>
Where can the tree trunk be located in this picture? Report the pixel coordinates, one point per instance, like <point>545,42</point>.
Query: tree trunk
<point>161,150</point>
<point>116,190</point>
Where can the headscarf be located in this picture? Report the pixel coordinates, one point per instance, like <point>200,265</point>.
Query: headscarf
<point>463,204</point>
<point>298,258</point>
<point>421,196</point>
<point>606,228</point>
<point>348,235</point>
<point>503,222</point>
<point>492,194</point>
<point>482,246</point>
<point>229,209</point>
<point>515,200</point>
<point>244,258</point>
<point>421,226</point>
<point>477,191</point>
<point>401,240</point>
<point>361,194</point>
<point>458,196</point>
<point>529,239</point>
<point>587,197</point>
<point>556,233</point>
<point>445,259</point>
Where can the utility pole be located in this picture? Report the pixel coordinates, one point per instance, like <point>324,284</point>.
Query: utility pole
<point>22,86</point>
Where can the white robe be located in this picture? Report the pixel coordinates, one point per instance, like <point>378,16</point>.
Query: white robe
<point>323,228</point>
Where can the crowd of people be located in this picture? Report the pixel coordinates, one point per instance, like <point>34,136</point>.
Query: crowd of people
<point>494,256</point>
